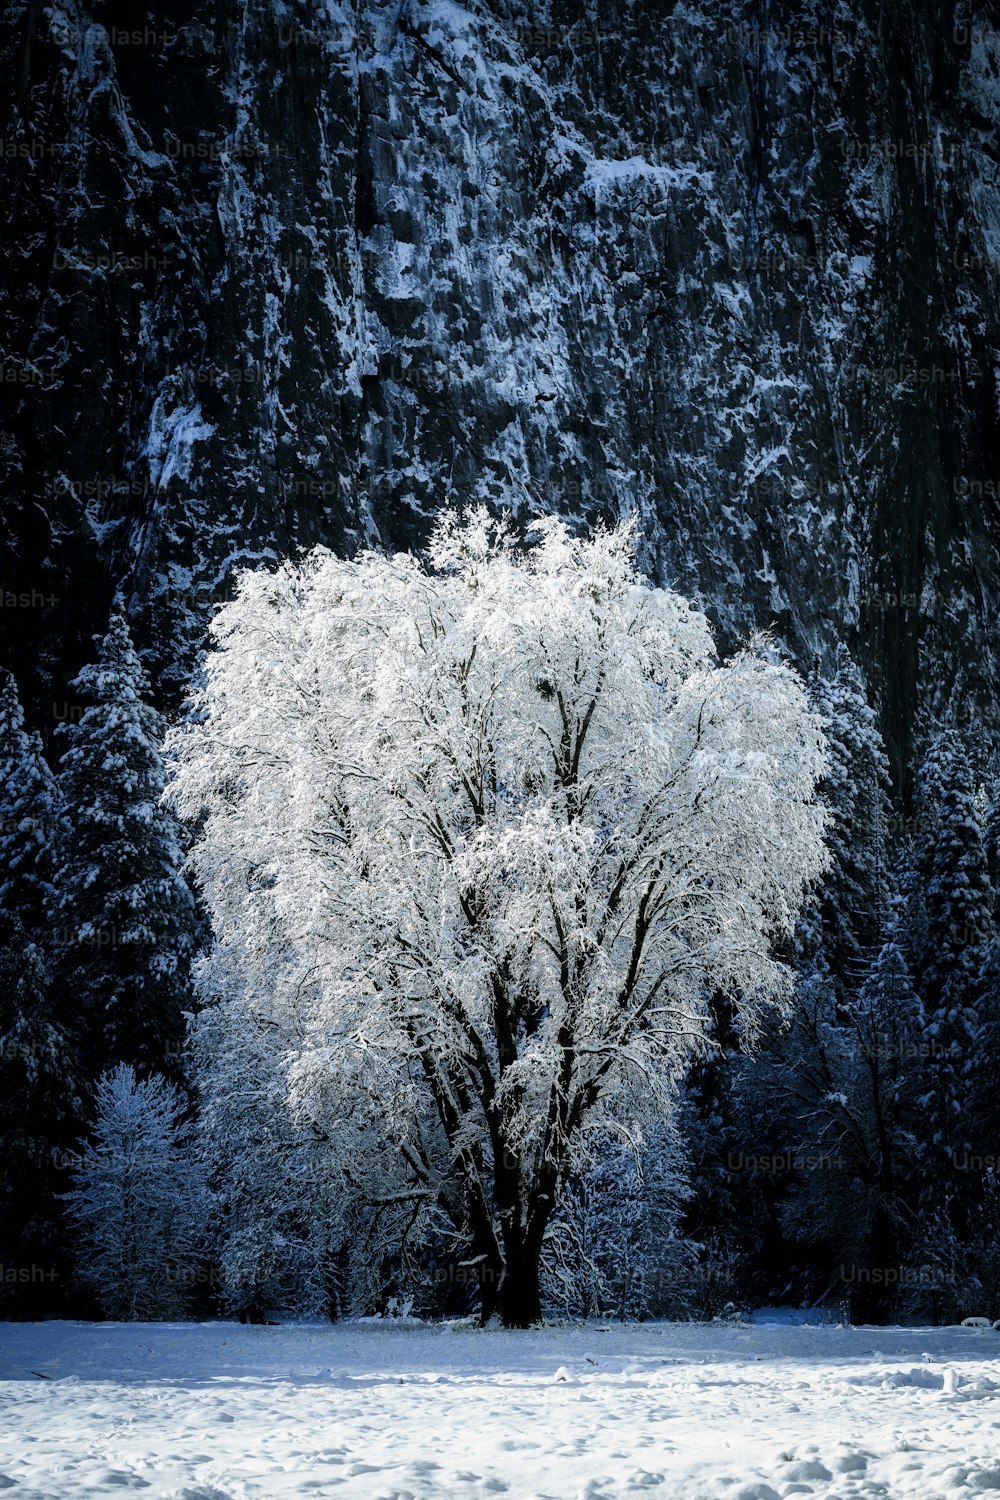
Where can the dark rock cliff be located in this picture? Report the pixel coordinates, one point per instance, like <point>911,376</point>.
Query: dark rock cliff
<point>286,273</point>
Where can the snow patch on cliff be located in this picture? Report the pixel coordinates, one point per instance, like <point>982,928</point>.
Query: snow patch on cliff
<point>172,436</point>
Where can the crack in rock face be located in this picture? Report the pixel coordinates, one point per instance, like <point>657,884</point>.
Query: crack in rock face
<point>279,278</point>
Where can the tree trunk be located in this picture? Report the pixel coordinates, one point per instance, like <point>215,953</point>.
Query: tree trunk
<point>522,1212</point>
<point>489,1272</point>
<point>872,1305</point>
<point>520,1299</point>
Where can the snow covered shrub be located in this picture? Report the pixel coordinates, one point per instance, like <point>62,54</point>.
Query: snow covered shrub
<point>138,1203</point>
<point>480,837</point>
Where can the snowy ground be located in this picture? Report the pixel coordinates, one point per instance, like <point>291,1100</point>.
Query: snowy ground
<point>218,1411</point>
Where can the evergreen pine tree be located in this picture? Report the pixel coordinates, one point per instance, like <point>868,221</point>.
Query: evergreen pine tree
<point>122,915</point>
<point>986,1114</point>
<point>727,1213</point>
<point>849,911</point>
<point>27,814</point>
<point>950,924</point>
<point>887,1022</point>
<point>39,1114</point>
<point>39,1084</point>
<point>807,1097</point>
<point>839,1102</point>
<point>992,834</point>
<point>811,1097</point>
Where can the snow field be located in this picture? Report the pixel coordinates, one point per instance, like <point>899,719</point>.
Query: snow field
<point>223,1412</point>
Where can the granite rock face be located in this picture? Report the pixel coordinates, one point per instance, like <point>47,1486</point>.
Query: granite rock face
<point>287,274</point>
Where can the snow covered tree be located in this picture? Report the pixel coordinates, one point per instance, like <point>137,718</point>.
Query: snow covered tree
<point>279,1221</point>
<point>849,911</point>
<point>881,1138</point>
<point>808,1086</point>
<point>27,814</point>
<point>490,832</point>
<point>726,1215</point>
<point>835,1095</point>
<point>952,856</point>
<point>39,1083</point>
<point>613,1246</point>
<point>991,833</point>
<point>987,1096</point>
<point>39,1114</point>
<point>121,913</point>
<point>138,1202</point>
<point>950,926</point>
<point>836,1101</point>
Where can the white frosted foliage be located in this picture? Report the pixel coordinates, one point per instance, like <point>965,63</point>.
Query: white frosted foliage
<point>480,838</point>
